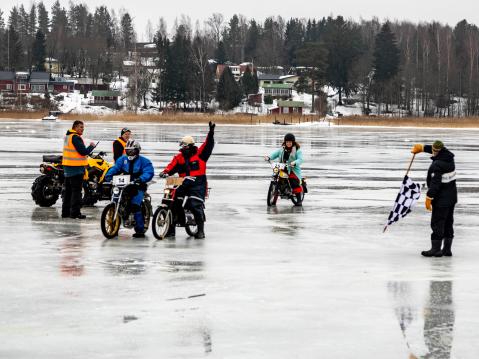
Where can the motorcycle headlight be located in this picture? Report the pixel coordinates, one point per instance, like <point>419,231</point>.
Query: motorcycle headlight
<point>42,169</point>
<point>276,170</point>
<point>116,190</point>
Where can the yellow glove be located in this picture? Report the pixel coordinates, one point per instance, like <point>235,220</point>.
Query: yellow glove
<point>417,148</point>
<point>429,203</point>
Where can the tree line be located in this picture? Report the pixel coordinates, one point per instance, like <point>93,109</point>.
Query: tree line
<point>411,69</point>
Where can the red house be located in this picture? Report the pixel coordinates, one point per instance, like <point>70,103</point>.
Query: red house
<point>61,85</point>
<point>22,84</point>
<point>7,81</point>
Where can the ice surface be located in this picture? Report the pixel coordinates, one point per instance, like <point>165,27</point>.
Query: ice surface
<point>317,282</point>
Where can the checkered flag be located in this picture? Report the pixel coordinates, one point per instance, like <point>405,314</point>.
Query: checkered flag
<point>405,200</point>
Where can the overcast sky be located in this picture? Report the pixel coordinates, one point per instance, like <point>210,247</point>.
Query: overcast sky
<point>444,11</point>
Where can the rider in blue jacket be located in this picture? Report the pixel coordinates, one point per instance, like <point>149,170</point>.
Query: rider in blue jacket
<point>141,172</point>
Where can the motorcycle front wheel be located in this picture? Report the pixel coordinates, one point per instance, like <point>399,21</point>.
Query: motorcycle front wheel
<point>109,226</point>
<point>161,222</point>
<point>272,194</point>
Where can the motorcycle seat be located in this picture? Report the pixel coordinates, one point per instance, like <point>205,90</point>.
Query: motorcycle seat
<point>52,158</point>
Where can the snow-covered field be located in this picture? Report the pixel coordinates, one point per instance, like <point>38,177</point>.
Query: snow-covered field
<point>321,281</point>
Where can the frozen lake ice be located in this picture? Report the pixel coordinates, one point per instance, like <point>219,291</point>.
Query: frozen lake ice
<point>320,281</point>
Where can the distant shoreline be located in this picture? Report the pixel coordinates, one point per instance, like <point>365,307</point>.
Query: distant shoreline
<point>248,119</point>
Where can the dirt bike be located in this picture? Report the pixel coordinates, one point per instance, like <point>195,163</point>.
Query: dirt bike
<point>47,188</point>
<point>119,209</point>
<point>163,217</point>
<point>280,185</point>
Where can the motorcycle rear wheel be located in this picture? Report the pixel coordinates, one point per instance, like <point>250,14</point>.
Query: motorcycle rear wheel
<point>272,197</point>
<point>191,229</point>
<point>109,227</point>
<point>161,222</point>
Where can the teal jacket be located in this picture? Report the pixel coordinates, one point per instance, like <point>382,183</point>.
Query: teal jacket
<point>296,155</point>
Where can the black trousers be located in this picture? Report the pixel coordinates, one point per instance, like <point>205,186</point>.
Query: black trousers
<point>196,188</point>
<point>442,221</point>
<point>72,197</point>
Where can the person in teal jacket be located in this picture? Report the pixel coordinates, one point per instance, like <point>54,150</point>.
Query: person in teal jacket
<point>291,154</point>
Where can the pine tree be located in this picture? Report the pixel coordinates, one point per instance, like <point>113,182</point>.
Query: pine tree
<point>249,82</point>
<point>220,53</point>
<point>386,61</point>
<point>43,20</point>
<point>39,51</point>
<point>252,39</point>
<point>127,32</point>
<point>14,50</point>
<point>228,92</point>
<point>343,43</point>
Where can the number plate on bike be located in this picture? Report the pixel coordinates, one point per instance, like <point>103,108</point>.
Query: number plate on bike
<point>122,180</point>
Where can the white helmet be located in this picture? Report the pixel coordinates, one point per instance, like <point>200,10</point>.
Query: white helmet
<point>132,149</point>
<point>186,141</point>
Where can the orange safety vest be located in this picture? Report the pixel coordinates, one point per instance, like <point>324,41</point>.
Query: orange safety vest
<point>71,157</point>
<point>123,143</point>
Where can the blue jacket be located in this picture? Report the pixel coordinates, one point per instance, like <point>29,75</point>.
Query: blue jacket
<point>142,169</point>
<point>296,155</point>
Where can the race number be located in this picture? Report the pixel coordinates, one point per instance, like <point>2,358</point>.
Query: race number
<point>122,180</point>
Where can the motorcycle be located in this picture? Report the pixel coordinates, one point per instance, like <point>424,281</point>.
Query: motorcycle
<point>47,188</point>
<point>163,217</point>
<point>280,185</point>
<point>119,209</point>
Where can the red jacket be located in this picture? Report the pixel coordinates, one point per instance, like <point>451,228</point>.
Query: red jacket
<point>195,164</point>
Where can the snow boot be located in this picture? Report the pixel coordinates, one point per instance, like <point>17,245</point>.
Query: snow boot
<point>435,250</point>
<point>299,201</point>
<point>201,231</point>
<point>171,231</point>
<point>139,235</point>
<point>446,249</point>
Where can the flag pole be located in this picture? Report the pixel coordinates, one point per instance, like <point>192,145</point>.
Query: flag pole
<point>410,164</point>
<point>407,172</point>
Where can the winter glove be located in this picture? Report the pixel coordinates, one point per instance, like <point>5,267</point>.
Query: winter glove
<point>137,181</point>
<point>212,126</point>
<point>417,148</point>
<point>163,174</point>
<point>266,158</point>
<point>429,203</point>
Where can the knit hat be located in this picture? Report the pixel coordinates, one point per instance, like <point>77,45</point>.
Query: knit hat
<point>124,130</point>
<point>437,145</point>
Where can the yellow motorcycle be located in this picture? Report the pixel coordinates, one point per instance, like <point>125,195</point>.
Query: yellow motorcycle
<point>47,188</point>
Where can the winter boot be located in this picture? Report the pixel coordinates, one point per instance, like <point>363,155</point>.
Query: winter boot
<point>201,231</point>
<point>299,200</point>
<point>171,231</point>
<point>446,249</point>
<point>139,235</point>
<point>435,250</point>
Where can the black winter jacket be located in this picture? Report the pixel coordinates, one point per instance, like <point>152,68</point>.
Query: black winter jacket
<point>443,194</point>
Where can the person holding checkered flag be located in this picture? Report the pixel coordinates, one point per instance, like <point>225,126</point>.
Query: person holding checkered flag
<point>441,197</point>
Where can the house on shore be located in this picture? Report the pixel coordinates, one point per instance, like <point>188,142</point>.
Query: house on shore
<point>106,98</point>
<point>288,107</point>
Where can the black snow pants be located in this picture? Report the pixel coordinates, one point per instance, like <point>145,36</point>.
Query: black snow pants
<point>442,221</point>
<point>195,189</point>
<point>72,196</point>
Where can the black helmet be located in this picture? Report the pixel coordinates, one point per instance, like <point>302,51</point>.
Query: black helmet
<point>289,137</point>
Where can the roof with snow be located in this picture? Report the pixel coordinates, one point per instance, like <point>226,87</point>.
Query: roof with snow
<point>290,103</point>
<point>269,77</point>
<point>7,75</point>
<point>39,77</point>
<point>105,93</point>
<point>277,86</point>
